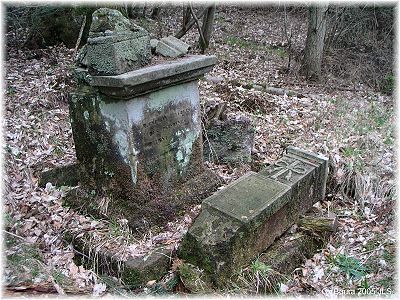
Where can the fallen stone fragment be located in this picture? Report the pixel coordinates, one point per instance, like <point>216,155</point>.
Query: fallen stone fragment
<point>213,79</point>
<point>153,45</point>
<point>229,141</point>
<point>64,175</point>
<point>115,46</point>
<point>170,46</point>
<point>194,279</point>
<point>134,271</point>
<point>319,224</point>
<point>291,249</point>
<point>243,219</point>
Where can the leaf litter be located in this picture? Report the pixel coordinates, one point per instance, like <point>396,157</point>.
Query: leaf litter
<point>355,129</point>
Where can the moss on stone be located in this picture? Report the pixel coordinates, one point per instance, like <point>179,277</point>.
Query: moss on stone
<point>194,279</point>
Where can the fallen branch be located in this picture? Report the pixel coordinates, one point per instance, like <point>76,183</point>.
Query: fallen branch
<point>319,224</point>
<point>269,89</point>
<point>14,235</point>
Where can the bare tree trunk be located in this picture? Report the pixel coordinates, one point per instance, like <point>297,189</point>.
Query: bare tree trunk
<point>185,15</point>
<point>311,65</point>
<point>207,27</point>
<point>189,25</point>
<point>155,12</point>
<point>196,19</point>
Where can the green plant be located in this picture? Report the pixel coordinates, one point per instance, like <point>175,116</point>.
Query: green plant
<point>350,265</point>
<point>259,278</point>
<point>364,284</point>
<point>387,85</point>
<point>60,278</point>
<point>348,152</point>
<point>11,91</point>
<point>388,256</point>
<point>241,43</point>
<point>388,141</point>
<point>279,51</point>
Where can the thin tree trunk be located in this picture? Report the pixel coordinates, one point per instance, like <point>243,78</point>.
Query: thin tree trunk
<point>185,15</point>
<point>183,30</point>
<point>311,65</point>
<point>207,26</point>
<point>196,19</point>
<point>78,41</point>
<point>155,12</point>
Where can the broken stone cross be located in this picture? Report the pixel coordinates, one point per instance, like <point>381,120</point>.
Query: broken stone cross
<point>243,219</point>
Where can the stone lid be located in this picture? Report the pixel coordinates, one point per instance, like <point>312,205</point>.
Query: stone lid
<point>152,78</point>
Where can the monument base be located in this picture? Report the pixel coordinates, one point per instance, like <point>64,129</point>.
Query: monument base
<point>152,208</point>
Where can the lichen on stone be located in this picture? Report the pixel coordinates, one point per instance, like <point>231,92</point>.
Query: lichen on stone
<point>104,19</point>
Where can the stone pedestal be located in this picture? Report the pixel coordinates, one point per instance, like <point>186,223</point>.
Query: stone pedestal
<point>138,138</point>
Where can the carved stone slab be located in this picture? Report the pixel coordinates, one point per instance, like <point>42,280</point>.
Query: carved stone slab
<point>244,218</point>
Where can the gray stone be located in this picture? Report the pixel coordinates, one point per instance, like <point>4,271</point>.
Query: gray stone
<point>106,19</point>
<point>153,45</point>
<point>64,175</point>
<point>230,140</point>
<point>116,46</point>
<point>214,79</point>
<point>170,46</point>
<point>258,87</point>
<point>134,271</point>
<point>153,78</point>
<point>241,220</point>
<point>142,146</point>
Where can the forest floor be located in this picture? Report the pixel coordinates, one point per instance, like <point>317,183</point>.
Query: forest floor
<point>338,117</point>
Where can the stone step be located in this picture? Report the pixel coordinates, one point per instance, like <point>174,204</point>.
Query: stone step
<point>112,256</point>
<point>243,219</point>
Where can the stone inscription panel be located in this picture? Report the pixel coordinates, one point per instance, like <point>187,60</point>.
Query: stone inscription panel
<point>167,136</point>
<point>248,196</point>
<point>162,125</point>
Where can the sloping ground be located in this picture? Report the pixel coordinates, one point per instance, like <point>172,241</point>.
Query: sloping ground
<point>355,129</point>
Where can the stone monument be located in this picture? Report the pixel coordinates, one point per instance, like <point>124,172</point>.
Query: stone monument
<point>243,219</point>
<point>136,126</point>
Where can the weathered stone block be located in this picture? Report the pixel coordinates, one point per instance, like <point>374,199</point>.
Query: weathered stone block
<point>230,140</point>
<point>115,46</point>
<point>170,46</point>
<point>156,134</point>
<point>65,175</point>
<point>244,218</point>
<point>134,270</point>
<point>141,149</point>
